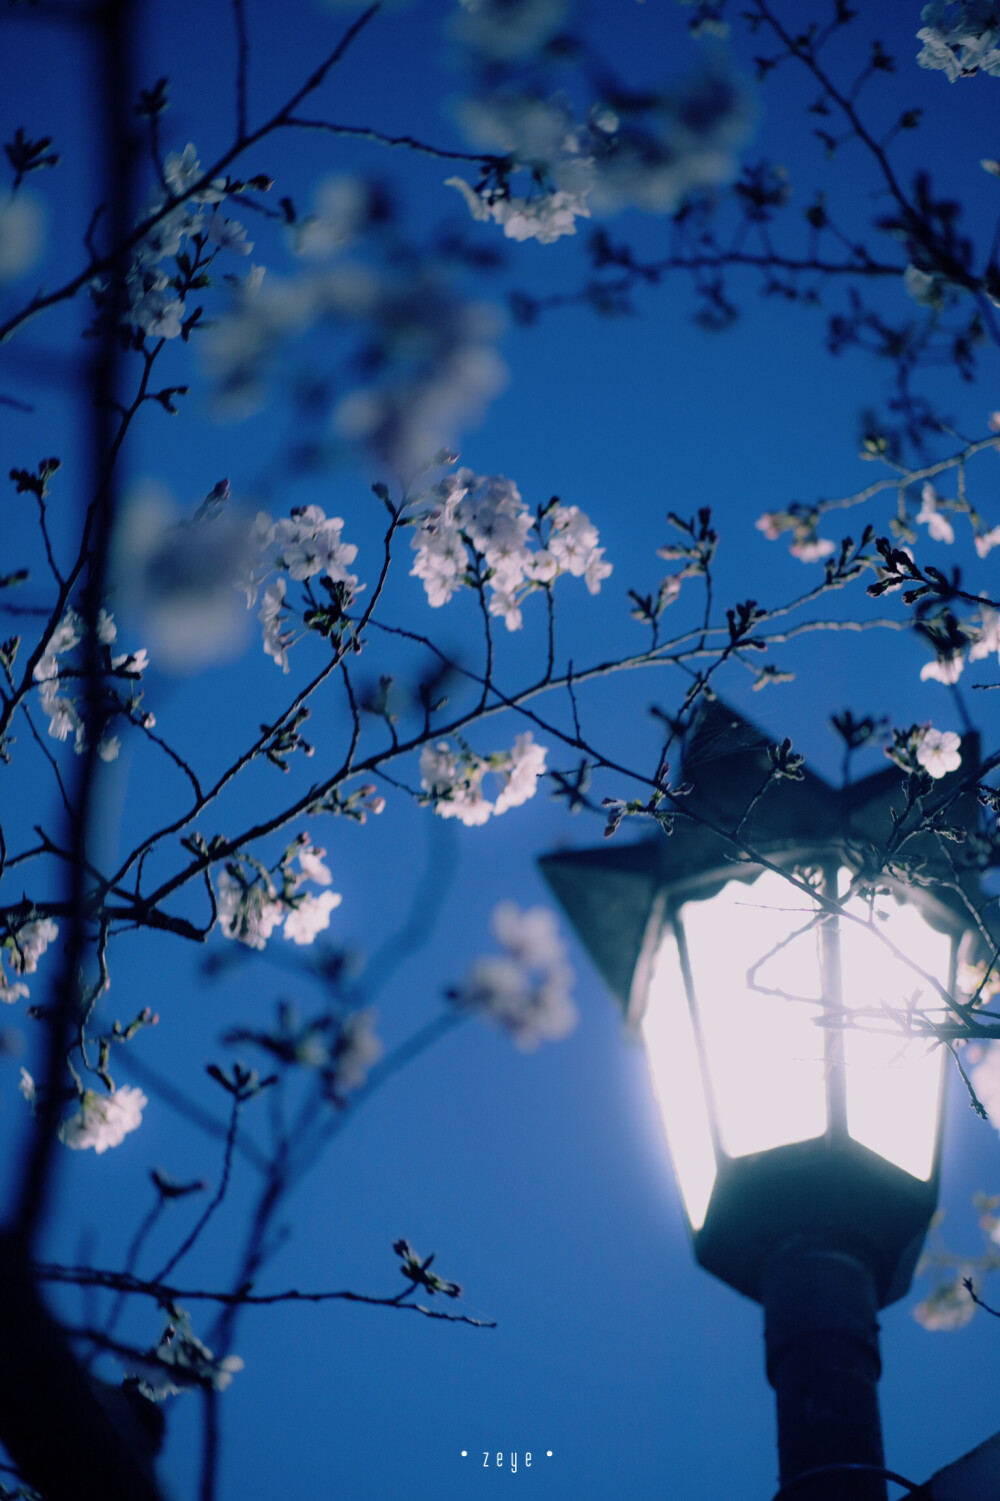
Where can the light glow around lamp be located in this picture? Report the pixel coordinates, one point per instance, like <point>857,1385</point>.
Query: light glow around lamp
<point>761,1066</point>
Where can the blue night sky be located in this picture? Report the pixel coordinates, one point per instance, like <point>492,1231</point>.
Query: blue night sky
<point>540,1179</point>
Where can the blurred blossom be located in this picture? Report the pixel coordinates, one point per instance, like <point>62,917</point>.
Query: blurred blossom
<point>504,31</point>
<point>648,154</point>
<point>180,1362</point>
<point>22,234</point>
<point>430,352</point>
<point>356,1049</point>
<point>310,916</point>
<point>949,1305</point>
<point>986,639</point>
<point>930,515</point>
<point>104,1121</point>
<point>342,208</point>
<point>178,574</point>
<point>960,38</point>
<point>29,944</point>
<point>525,990</point>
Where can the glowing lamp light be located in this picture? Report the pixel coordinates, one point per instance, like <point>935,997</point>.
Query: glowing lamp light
<point>772,991</point>
<point>773,1011</point>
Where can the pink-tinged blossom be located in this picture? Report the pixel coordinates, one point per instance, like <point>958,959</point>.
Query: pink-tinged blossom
<point>310,916</point>
<point>986,541</point>
<point>104,1121</point>
<point>526,989</point>
<point>938,751</point>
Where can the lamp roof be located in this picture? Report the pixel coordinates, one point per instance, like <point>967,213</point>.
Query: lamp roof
<point>609,892</point>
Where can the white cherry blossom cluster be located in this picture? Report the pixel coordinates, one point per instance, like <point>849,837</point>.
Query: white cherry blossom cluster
<point>155,304</point>
<point>181,1362</point>
<point>306,545</point>
<point>473,517</point>
<point>104,1120</point>
<point>452,778</point>
<point>526,989</point>
<point>250,907</point>
<point>24,946</point>
<point>960,37</point>
<point>60,708</point>
<point>684,139</point>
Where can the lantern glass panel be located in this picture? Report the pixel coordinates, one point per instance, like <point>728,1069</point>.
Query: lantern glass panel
<point>893,1086</point>
<point>764,1052</point>
<point>672,1051</point>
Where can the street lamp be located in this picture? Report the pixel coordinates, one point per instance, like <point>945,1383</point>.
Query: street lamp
<point>803,1126</point>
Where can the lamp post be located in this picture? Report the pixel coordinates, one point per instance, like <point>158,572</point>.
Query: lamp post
<point>804,1132</point>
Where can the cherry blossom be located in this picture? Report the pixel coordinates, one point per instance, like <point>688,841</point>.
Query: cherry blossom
<point>311,864</point>
<point>452,778</point>
<point>931,516</point>
<point>960,37</point>
<point>485,515</point>
<point>938,751</point>
<point>30,942</point>
<point>986,541</point>
<point>10,990</point>
<point>526,990</point>
<point>247,910</point>
<point>946,669</point>
<point>949,1306</point>
<point>104,1121</point>
<point>310,916</point>
<point>355,1051</point>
